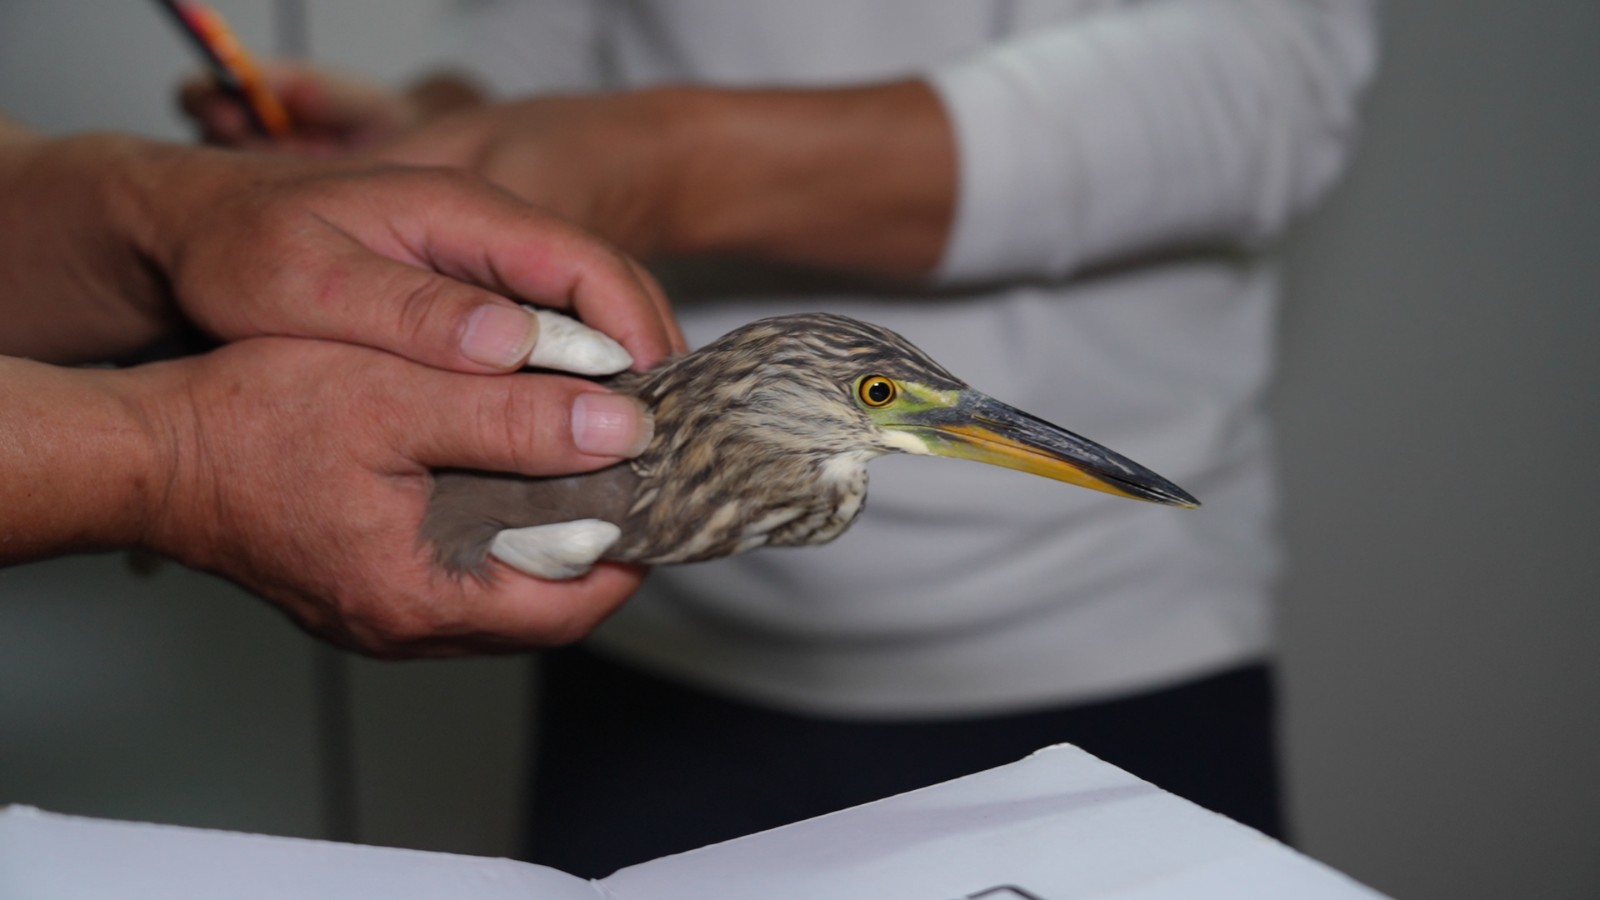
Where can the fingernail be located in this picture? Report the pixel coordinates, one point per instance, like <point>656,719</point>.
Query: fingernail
<point>611,424</point>
<point>499,336</point>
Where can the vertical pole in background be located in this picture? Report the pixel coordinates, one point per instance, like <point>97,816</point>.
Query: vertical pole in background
<point>330,670</point>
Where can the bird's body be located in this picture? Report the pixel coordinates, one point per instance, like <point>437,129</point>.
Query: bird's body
<point>761,439</point>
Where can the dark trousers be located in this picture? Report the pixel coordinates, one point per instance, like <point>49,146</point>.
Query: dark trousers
<point>630,766</point>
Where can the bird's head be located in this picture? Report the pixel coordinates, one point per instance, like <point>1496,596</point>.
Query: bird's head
<point>822,385</point>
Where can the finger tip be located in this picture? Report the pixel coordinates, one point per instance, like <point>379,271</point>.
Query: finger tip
<point>611,425</point>
<point>499,337</point>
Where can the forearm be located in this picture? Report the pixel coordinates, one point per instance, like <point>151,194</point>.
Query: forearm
<point>860,179</point>
<point>79,454</point>
<point>856,178</point>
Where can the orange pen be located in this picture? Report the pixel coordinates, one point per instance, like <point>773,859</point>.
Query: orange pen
<point>232,64</point>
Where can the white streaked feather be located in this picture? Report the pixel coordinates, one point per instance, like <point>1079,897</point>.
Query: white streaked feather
<point>555,552</point>
<point>571,346</point>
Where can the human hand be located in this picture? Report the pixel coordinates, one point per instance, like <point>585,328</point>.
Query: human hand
<point>109,241</point>
<point>416,262</point>
<point>300,470</point>
<point>332,112</point>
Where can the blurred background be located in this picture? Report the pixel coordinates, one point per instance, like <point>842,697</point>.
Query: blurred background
<point>1439,417</point>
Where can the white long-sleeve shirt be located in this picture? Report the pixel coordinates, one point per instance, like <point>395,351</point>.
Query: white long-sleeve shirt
<point>1121,164</point>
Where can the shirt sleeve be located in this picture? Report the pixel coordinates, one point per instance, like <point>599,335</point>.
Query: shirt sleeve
<point>1150,126</point>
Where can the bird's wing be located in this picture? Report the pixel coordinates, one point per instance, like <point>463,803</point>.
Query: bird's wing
<point>469,508</point>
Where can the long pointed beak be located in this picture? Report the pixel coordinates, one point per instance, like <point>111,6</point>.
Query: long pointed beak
<point>981,428</point>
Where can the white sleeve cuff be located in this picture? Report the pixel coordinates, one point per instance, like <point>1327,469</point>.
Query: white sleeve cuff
<point>1155,126</point>
<point>1003,225</point>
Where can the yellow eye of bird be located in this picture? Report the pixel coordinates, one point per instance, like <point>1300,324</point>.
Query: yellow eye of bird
<point>876,391</point>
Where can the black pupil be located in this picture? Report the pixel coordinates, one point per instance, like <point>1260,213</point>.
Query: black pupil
<point>879,392</point>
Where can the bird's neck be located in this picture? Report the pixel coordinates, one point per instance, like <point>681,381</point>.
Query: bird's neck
<point>784,502</point>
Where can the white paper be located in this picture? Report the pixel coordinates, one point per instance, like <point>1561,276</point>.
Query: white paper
<point>1057,825</point>
<point>47,856</point>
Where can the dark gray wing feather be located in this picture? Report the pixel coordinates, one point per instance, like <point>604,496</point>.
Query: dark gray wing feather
<point>468,508</point>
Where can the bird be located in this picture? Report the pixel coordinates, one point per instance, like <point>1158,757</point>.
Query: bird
<point>761,439</point>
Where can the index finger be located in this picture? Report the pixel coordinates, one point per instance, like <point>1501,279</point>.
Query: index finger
<point>500,243</point>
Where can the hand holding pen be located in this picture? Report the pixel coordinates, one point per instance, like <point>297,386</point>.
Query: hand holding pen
<point>332,113</point>
<point>232,66</point>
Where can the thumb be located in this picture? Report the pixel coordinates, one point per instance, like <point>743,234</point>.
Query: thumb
<point>449,324</point>
<point>427,317</point>
<point>529,424</point>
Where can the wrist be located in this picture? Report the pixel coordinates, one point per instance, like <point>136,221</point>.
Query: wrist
<point>153,189</point>
<point>118,205</point>
<point>73,285</point>
<point>165,496</point>
<point>687,132</point>
<point>617,164</point>
<point>84,465</point>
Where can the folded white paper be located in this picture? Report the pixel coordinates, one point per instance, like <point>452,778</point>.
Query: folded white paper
<point>1059,824</point>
